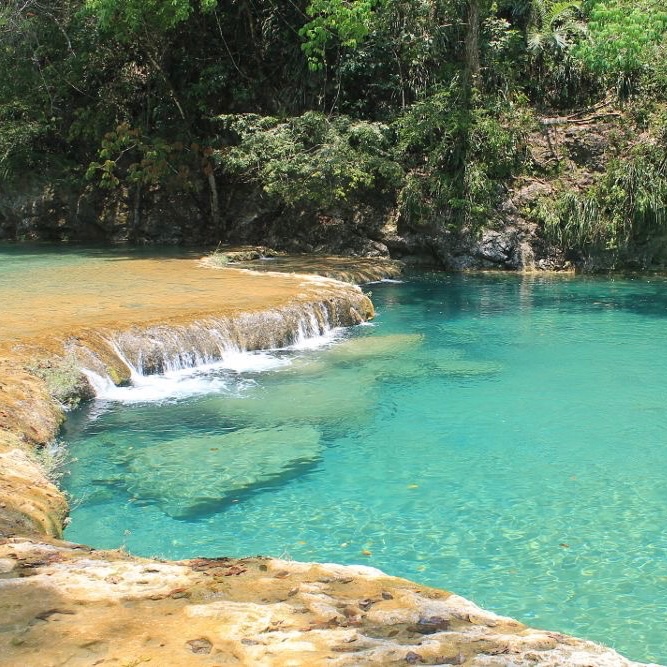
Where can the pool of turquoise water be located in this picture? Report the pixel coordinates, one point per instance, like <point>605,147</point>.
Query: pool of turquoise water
<point>503,437</point>
<point>24,258</point>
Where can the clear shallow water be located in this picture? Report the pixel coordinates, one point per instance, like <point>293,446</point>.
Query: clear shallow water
<point>69,284</point>
<point>32,260</point>
<point>501,437</point>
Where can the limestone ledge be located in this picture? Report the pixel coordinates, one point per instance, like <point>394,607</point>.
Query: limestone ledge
<point>30,415</point>
<point>354,270</point>
<point>65,604</point>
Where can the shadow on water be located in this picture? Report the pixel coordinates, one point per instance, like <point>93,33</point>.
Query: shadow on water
<point>46,252</point>
<point>203,510</point>
<point>114,489</point>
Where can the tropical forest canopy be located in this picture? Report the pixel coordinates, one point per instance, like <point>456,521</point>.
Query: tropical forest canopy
<point>426,102</point>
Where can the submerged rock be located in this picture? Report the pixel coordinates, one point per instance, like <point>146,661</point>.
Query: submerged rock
<point>193,475</point>
<point>369,347</point>
<point>307,398</point>
<point>397,358</point>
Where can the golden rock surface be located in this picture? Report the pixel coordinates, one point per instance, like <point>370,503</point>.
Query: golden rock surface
<point>65,604</point>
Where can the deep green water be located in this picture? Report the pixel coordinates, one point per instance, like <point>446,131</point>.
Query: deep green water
<point>509,444</point>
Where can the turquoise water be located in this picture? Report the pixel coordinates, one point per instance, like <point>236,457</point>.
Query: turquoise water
<point>33,264</point>
<point>503,437</point>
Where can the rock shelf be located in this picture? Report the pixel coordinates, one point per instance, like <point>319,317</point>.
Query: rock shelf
<point>65,604</point>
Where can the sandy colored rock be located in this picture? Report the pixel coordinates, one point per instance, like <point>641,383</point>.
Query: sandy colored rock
<point>26,408</point>
<point>67,605</point>
<point>29,502</point>
<point>119,293</point>
<point>355,270</point>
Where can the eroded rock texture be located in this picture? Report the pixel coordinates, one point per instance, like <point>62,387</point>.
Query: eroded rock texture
<point>64,604</point>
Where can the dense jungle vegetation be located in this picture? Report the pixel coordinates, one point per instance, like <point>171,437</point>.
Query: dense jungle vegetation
<point>428,104</point>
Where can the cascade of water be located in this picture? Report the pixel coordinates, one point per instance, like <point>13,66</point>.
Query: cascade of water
<point>101,384</point>
<point>163,361</point>
<point>167,349</point>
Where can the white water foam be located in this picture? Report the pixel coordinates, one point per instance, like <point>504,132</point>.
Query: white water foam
<point>215,377</point>
<point>315,342</point>
<point>156,388</point>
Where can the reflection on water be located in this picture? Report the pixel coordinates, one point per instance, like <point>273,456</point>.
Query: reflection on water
<point>499,436</point>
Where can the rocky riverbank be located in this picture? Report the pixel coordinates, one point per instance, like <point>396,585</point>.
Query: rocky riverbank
<point>69,605</point>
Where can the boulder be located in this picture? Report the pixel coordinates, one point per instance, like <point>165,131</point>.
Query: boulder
<point>193,475</point>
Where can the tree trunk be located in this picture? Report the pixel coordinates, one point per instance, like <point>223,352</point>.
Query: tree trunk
<point>471,71</point>
<point>136,217</point>
<point>215,201</point>
<point>155,62</point>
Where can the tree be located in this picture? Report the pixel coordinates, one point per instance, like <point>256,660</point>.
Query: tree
<point>346,22</point>
<point>36,49</point>
<point>554,27</point>
<point>126,18</point>
<point>626,39</point>
<point>310,159</point>
<point>146,22</point>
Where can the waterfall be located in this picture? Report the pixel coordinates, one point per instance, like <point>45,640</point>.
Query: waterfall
<point>151,358</point>
<point>169,348</point>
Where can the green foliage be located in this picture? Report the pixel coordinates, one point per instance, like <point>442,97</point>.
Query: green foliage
<point>410,49</point>
<point>29,92</point>
<point>554,32</point>
<point>459,156</point>
<point>554,27</point>
<point>626,206</point>
<point>136,91</point>
<point>128,156</point>
<point>310,158</point>
<point>63,379</point>
<point>19,133</point>
<point>503,51</point>
<point>125,18</point>
<point>347,21</point>
<point>626,38</point>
